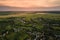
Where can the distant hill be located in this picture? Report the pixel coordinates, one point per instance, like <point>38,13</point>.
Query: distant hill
<point>9,8</point>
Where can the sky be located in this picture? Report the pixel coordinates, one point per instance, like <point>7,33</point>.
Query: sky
<point>30,3</point>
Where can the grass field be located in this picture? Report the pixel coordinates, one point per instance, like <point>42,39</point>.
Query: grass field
<point>29,15</point>
<point>29,26</point>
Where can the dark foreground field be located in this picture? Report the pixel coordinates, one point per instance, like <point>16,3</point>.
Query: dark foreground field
<point>30,27</point>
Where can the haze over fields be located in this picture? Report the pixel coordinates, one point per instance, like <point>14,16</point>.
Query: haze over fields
<point>29,5</point>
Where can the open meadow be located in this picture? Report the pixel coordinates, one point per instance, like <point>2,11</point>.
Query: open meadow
<point>29,26</point>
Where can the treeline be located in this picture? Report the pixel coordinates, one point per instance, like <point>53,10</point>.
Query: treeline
<point>19,28</point>
<point>28,12</point>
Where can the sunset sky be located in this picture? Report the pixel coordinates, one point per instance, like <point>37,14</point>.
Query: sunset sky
<point>30,3</point>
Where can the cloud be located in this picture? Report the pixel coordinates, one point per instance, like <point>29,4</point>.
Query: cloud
<point>31,3</point>
<point>55,2</point>
<point>2,0</point>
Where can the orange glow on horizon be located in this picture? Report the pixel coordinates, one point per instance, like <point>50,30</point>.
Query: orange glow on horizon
<point>29,3</point>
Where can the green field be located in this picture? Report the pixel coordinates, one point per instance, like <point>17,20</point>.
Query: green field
<point>29,26</point>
